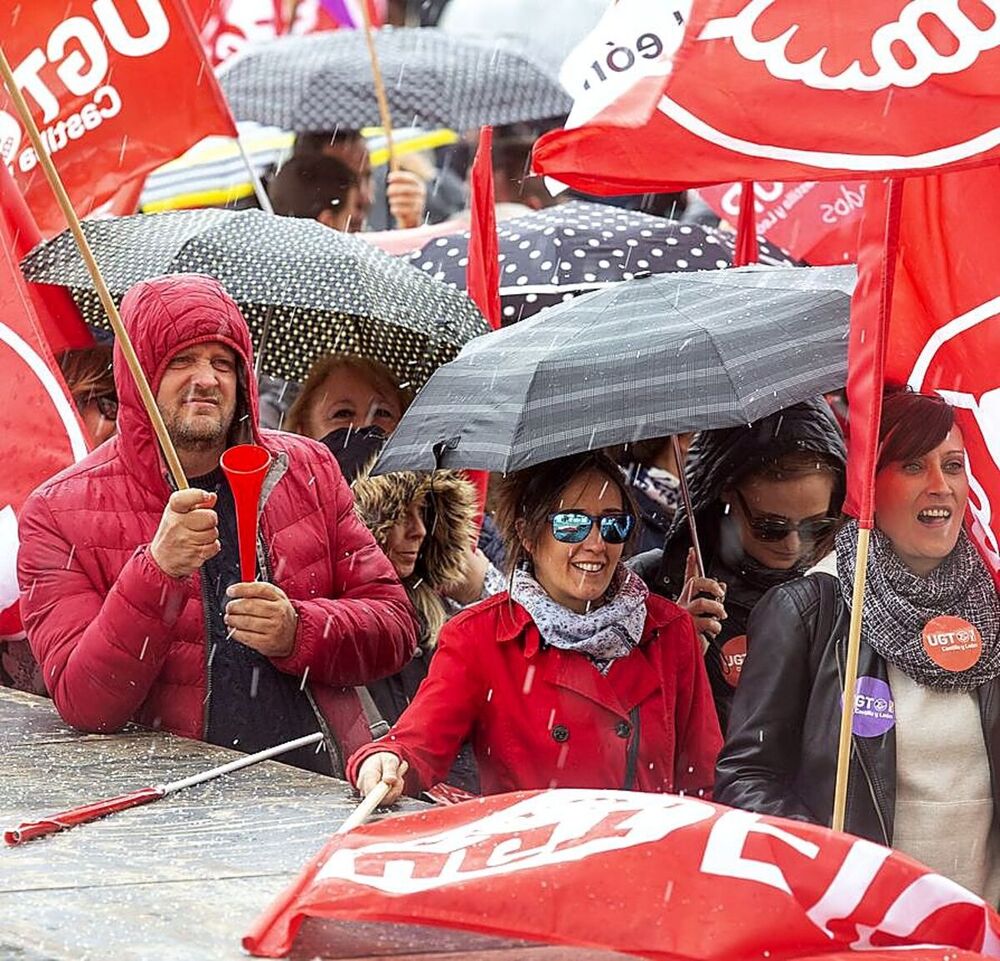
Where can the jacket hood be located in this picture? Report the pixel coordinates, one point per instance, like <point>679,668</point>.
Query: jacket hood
<point>165,315</point>
<point>723,457</point>
<point>452,506</point>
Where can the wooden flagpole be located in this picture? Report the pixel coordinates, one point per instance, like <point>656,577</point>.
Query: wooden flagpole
<point>380,96</point>
<point>850,682</point>
<point>866,519</point>
<point>52,175</point>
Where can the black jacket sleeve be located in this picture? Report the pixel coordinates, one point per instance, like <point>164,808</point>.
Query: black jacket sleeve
<point>763,748</point>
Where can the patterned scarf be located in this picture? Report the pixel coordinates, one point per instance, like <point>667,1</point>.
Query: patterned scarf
<point>898,603</point>
<point>613,630</point>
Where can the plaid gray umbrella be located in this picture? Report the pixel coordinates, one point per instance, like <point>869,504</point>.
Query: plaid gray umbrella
<point>305,290</point>
<point>648,358</point>
<point>548,256</point>
<point>323,81</point>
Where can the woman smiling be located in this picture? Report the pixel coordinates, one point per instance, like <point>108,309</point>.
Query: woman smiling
<point>924,775</point>
<point>576,677</point>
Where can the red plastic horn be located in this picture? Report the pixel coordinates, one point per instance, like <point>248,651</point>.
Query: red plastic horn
<point>245,468</point>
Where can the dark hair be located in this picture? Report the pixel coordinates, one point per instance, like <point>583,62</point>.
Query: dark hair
<point>912,425</point>
<point>312,142</point>
<point>307,185</point>
<point>529,495</point>
<point>87,370</point>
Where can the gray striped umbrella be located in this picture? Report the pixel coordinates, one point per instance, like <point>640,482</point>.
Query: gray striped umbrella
<point>305,290</point>
<point>648,358</point>
<point>323,81</point>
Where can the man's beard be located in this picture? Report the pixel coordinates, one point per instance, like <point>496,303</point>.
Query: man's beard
<point>204,434</point>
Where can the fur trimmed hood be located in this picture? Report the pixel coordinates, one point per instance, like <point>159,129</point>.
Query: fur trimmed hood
<point>451,510</point>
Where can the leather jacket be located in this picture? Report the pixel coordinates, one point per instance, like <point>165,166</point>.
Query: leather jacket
<point>780,755</point>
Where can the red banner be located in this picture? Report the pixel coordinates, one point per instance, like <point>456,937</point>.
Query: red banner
<point>228,26</point>
<point>817,222</point>
<point>941,325</point>
<point>794,90</point>
<point>117,88</point>
<point>654,875</point>
<point>40,432</point>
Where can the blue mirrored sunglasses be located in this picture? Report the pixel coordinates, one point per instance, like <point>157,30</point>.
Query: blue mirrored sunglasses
<point>574,527</point>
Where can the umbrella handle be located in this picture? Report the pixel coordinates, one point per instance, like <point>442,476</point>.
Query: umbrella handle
<point>30,830</point>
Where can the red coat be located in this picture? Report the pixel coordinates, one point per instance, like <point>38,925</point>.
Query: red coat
<point>543,718</point>
<point>118,639</point>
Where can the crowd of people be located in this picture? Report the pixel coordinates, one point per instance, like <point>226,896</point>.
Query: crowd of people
<point>569,658</point>
<point>565,633</point>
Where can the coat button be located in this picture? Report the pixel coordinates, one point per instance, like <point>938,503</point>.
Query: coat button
<point>623,729</point>
<point>560,733</point>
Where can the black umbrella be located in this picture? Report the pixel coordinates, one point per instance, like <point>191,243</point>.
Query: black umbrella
<point>647,358</point>
<point>305,290</point>
<point>322,81</point>
<point>548,256</point>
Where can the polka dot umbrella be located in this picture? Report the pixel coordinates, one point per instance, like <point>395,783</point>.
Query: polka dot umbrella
<point>548,256</point>
<point>323,81</point>
<point>305,290</point>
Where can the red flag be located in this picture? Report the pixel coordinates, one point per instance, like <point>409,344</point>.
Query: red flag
<point>117,88</point>
<point>58,316</point>
<point>795,90</point>
<point>40,431</point>
<point>747,251</point>
<point>228,26</point>
<point>815,221</point>
<point>655,875</point>
<point>928,286</point>
<point>483,269</point>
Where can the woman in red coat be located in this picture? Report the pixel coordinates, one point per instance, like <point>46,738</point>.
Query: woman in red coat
<point>577,677</point>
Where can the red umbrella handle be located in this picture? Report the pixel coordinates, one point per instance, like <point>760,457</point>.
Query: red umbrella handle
<point>81,815</point>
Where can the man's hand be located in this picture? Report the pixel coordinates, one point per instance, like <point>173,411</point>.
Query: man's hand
<point>384,766</point>
<point>407,195</point>
<point>262,617</point>
<point>708,614</point>
<point>188,534</point>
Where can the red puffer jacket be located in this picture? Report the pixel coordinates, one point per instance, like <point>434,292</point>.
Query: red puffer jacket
<point>118,639</point>
<point>539,717</point>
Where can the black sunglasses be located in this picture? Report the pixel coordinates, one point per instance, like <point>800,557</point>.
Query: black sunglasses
<point>574,527</point>
<point>107,404</point>
<point>773,530</point>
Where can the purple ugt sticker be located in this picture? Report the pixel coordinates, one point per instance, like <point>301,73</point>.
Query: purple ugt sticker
<point>874,713</point>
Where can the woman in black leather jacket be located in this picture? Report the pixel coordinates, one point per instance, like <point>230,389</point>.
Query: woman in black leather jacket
<point>927,722</point>
<point>765,497</point>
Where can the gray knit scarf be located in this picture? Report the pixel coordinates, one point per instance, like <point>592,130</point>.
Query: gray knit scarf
<point>898,603</point>
<point>611,631</point>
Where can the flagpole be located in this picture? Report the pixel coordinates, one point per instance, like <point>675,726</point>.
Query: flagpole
<point>128,351</point>
<point>850,682</point>
<point>866,518</point>
<point>380,96</point>
<point>258,188</point>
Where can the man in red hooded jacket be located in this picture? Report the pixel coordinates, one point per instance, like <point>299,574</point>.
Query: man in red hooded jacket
<point>135,610</point>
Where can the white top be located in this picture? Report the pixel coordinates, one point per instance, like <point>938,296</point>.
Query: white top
<point>944,799</point>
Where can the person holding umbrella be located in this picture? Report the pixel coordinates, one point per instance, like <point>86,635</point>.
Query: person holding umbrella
<point>133,597</point>
<point>405,194</point>
<point>766,498</point>
<point>926,732</point>
<point>575,677</point>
